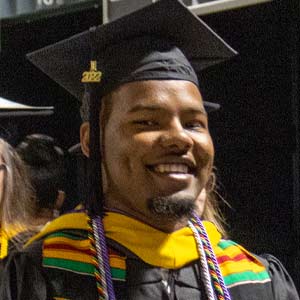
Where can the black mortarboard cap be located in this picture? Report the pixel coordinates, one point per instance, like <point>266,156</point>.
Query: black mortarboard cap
<point>121,44</point>
<point>161,41</point>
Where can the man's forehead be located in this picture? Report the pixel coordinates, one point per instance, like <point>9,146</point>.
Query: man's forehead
<point>156,88</point>
<point>155,95</point>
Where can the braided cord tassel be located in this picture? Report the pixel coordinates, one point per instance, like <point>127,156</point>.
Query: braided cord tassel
<point>204,267</point>
<point>102,295</point>
<point>99,261</point>
<point>103,252</point>
<point>217,278</point>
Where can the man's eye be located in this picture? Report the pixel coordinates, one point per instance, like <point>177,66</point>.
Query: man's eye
<point>146,123</point>
<point>195,125</point>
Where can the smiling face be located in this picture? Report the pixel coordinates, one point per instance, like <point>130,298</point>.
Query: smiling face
<point>156,145</point>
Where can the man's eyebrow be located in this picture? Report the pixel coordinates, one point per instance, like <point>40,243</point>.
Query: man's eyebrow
<point>196,111</point>
<point>141,107</point>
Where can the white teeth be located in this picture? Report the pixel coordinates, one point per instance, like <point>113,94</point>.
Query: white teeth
<point>171,168</point>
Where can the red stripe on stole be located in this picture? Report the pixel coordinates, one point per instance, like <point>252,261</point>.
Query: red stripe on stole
<point>68,247</point>
<point>113,252</point>
<point>225,258</point>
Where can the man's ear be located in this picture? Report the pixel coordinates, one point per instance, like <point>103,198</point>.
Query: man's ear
<point>85,138</point>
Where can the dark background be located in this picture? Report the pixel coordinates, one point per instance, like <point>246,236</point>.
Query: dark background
<point>256,132</point>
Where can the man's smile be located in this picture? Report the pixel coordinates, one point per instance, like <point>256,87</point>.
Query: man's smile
<point>171,168</point>
<point>176,172</point>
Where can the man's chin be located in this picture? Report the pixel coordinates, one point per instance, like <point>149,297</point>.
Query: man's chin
<point>172,207</point>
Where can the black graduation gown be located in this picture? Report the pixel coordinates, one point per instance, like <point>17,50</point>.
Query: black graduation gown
<point>23,278</point>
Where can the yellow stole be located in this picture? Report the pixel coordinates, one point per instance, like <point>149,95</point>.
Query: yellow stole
<point>3,244</point>
<point>157,248</point>
<point>6,235</point>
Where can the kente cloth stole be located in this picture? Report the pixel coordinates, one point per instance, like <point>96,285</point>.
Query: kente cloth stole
<point>238,266</point>
<point>72,252</point>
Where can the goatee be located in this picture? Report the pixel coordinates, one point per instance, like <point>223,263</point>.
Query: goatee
<point>172,207</point>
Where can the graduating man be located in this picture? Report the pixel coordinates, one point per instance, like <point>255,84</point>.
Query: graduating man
<point>151,155</point>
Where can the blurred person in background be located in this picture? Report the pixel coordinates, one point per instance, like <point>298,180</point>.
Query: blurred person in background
<point>17,201</point>
<point>46,163</point>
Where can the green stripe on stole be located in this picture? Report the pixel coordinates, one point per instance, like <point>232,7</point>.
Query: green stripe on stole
<point>223,244</point>
<point>67,235</point>
<point>69,265</point>
<point>118,274</point>
<point>244,277</point>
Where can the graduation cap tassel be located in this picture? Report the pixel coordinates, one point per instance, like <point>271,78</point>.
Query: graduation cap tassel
<point>95,203</point>
<point>93,78</point>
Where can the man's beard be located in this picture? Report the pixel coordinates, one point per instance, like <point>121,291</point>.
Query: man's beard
<point>172,207</point>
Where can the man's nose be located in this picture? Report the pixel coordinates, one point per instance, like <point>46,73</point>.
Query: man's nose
<point>176,138</point>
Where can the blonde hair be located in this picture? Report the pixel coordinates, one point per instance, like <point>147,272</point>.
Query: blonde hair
<point>17,204</point>
<point>212,211</point>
